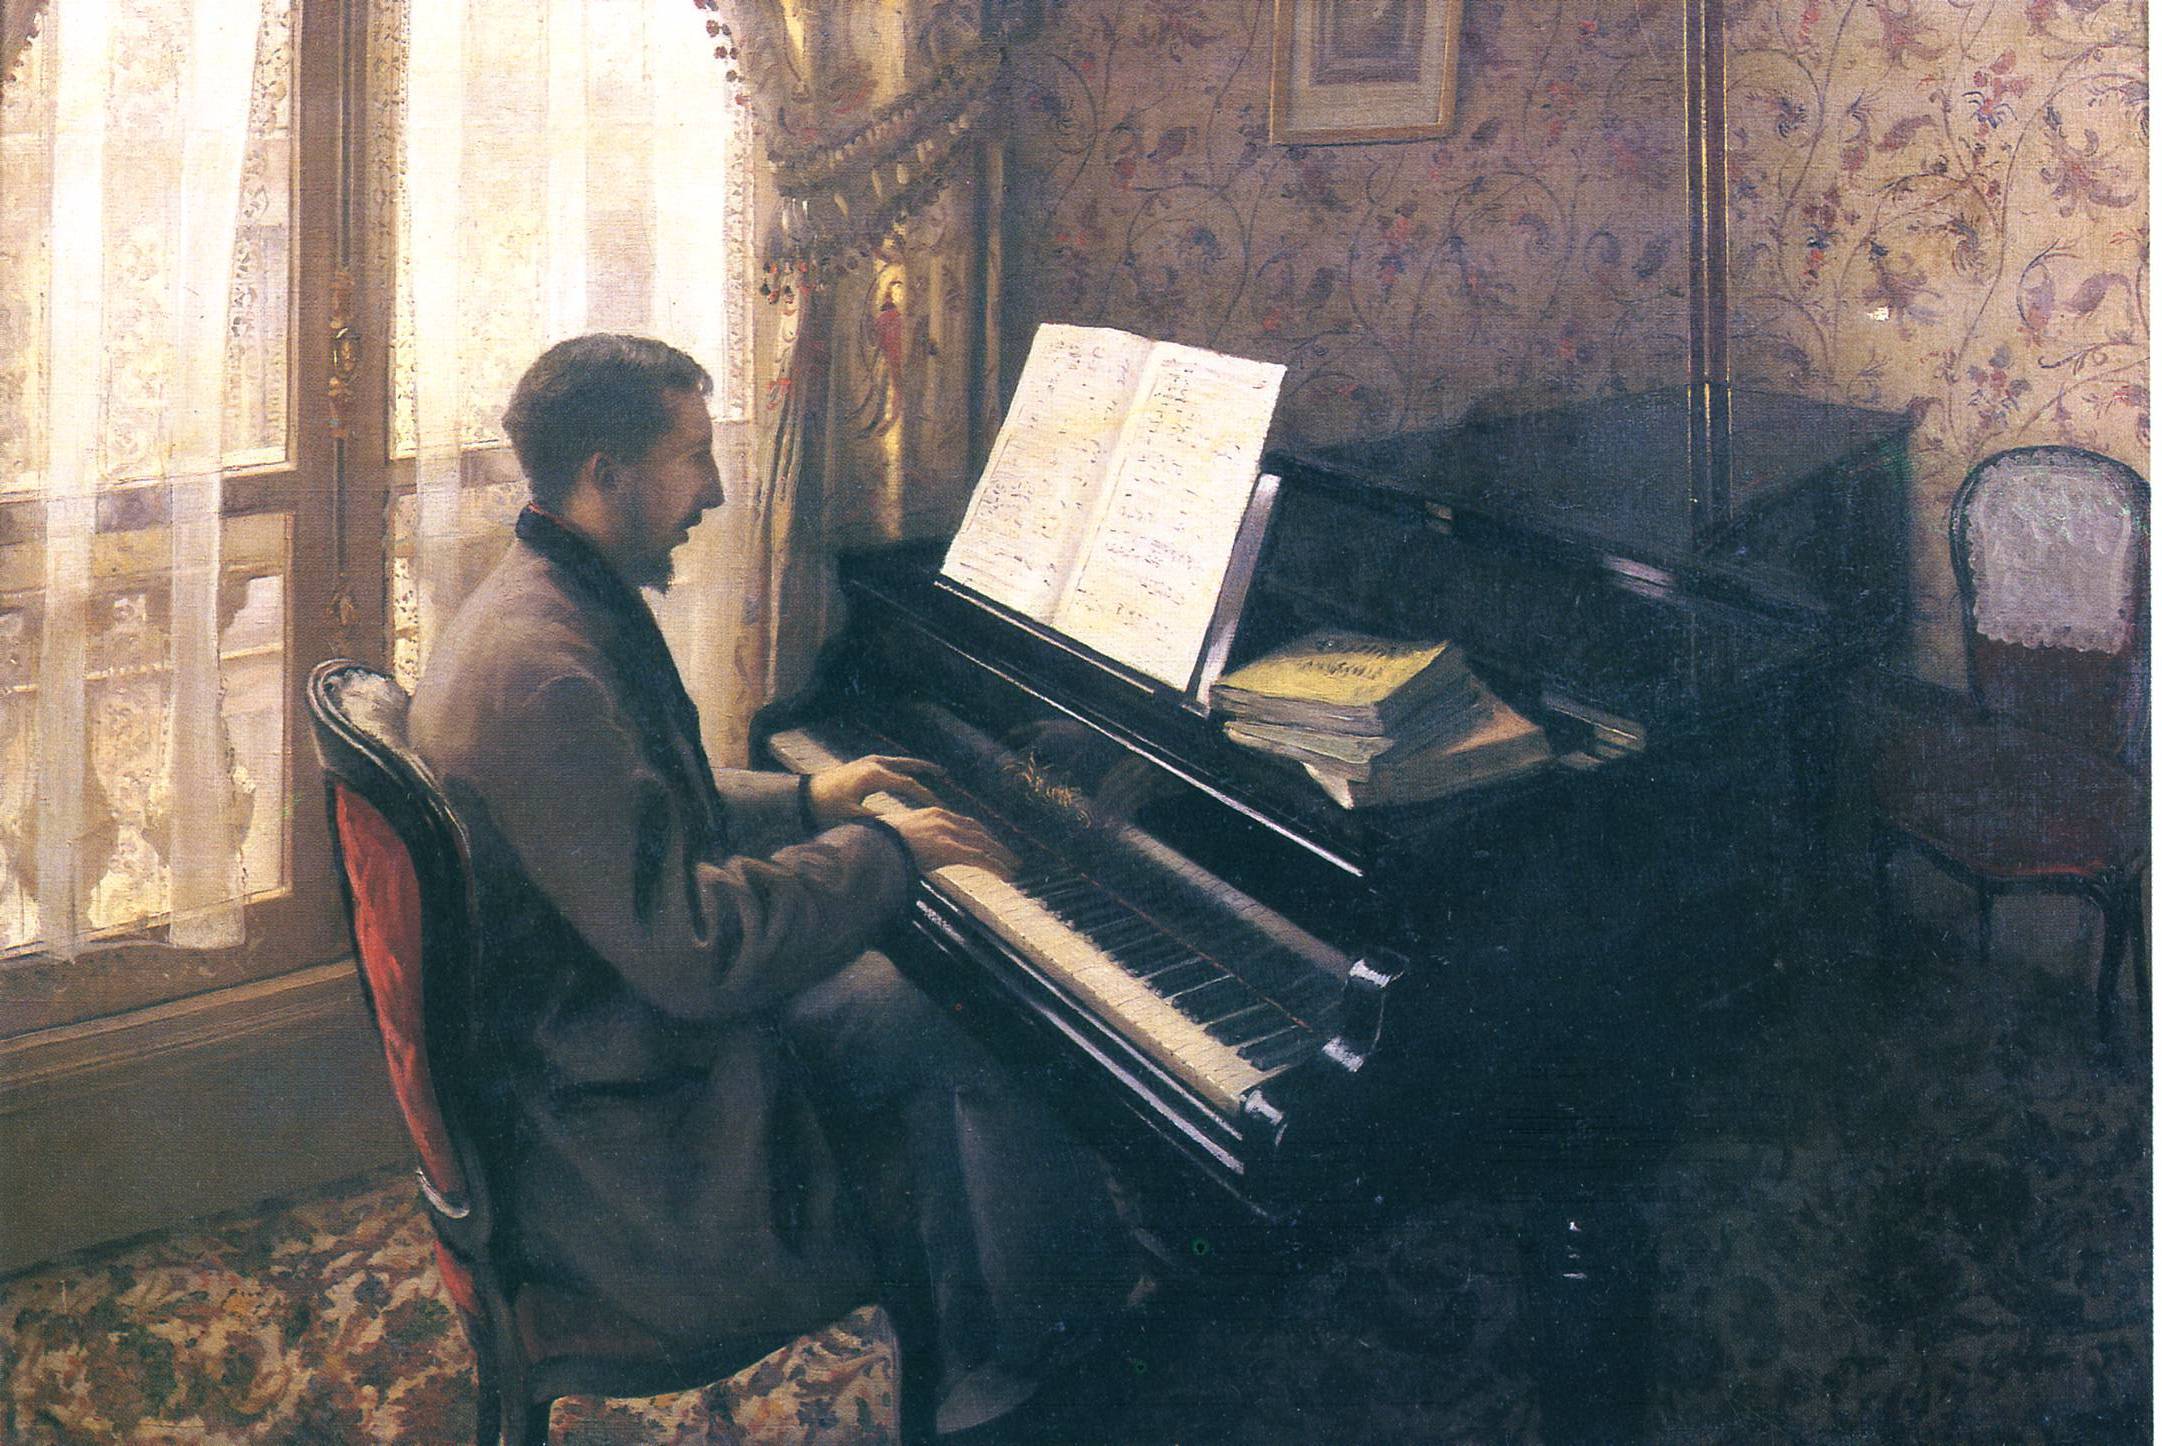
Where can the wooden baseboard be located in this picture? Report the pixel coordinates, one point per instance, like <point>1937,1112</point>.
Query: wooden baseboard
<point>145,1120</point>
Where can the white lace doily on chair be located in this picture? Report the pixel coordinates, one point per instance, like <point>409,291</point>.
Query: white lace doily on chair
<point>2050,548</point>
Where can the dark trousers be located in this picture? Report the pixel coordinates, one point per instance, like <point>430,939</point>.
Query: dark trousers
<point>1005,1221</point>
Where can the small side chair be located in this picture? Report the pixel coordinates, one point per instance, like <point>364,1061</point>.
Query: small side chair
<point>2042,786</point>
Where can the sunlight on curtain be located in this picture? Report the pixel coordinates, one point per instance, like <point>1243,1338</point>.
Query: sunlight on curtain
<point>144,156</point>
<point>569,166</point>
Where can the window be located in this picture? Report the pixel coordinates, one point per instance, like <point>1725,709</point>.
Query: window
<point>188,519</point>
<point>542,171</point>
<point>160,501</point>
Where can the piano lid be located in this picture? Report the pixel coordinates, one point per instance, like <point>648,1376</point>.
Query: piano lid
<point>1613,475</point>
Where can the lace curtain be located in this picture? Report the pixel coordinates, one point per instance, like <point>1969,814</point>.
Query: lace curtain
<point>128,135</point>
<point>550,169</point>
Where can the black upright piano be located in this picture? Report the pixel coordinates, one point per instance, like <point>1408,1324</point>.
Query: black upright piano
<point>1217,964</point>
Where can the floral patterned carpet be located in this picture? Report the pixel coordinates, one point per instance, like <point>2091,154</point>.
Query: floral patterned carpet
<point>326,1322</point>
<point>1915,1208</point>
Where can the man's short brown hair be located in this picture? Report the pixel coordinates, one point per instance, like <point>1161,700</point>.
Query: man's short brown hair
<point>604,393</point>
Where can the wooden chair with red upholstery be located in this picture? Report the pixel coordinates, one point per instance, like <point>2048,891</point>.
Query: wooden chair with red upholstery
<point>405,863</point>
<point>2040,786</point>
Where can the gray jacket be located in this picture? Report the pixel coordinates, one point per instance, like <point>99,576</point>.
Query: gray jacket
<point>649,917</point>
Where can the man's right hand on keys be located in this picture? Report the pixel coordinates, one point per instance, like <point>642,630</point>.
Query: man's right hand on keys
<point>938,838</point>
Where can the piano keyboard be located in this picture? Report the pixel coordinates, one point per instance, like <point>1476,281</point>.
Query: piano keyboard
<point>1224,995</point>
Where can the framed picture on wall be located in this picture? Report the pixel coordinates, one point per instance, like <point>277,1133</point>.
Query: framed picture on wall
<point>1363,70</point>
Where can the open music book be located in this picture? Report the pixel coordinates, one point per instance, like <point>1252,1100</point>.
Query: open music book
<point>1112,505</point>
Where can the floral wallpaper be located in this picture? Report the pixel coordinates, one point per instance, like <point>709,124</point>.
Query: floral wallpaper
<point>1937,208</point>
<point>1941,208</point>
<point>1537,252</point>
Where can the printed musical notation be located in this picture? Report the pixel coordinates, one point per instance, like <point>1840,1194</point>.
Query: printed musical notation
<point>1115,492</point>
<point>1144,593</point>
<point>1030,509</point>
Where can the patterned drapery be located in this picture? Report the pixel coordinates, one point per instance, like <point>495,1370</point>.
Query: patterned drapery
<point>879,359</point>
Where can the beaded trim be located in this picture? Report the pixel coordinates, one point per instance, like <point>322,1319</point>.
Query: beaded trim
<point>842,197</point>
<point>21,27</point>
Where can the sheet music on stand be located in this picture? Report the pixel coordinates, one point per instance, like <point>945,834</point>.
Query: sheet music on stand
<point>1122,506</point>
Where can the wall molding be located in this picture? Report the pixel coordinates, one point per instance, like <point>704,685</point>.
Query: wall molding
<point>145,1120</point>
<point>50,1066</point>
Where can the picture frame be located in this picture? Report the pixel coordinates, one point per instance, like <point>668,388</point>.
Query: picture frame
<point>1363,70</point>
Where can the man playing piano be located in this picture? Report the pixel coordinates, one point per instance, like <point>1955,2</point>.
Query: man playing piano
<point>698,1047</point>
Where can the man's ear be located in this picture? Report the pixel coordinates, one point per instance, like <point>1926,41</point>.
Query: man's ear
<point>598,471</point>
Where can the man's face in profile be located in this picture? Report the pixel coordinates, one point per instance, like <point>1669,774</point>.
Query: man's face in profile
<point>660,498</point>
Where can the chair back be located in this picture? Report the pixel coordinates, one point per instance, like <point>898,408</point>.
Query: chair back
<point>2049,545</point>
<point>405,866</point>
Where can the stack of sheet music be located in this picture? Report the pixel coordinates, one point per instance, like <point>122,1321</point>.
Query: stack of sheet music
<point>1376,720</point>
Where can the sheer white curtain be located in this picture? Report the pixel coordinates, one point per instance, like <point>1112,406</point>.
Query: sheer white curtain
<point>123,142</point>
<point>568,166</point>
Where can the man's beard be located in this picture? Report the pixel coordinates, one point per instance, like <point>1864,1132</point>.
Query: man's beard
<point>654,572</point>
<point>658,570</point>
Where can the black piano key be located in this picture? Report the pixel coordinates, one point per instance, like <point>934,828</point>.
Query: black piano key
<point>1253,1048</point>
<point>1054,899</point>
<point>1213,1000</point>
<point>1273,975</point>
<point>1060,888</point>
<point>1308,996</point>
<point>1058,868</point>
<point>1151,952</point>
<point>1078,892</point>
<point>1190,973</point>
<point>1153,961</point>
<point>1156,901</point>
<point>1084,911</point>
<point>1324,1023</point>
<point>1163,921</point>
<point>1278,979</point>
<point>1180,978</point>
<point>1281,1048</point>
<point>1128,933</point>
<point>1093,919</point>
<point>1309,985</point>
<point>1176,916</point>
<point>1273,978</point>
<point>1147,958</point>
<point>1248,1024</point>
